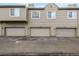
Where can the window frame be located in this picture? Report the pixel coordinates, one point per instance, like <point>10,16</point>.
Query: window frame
<point>14,15</point>
<point>72,16</point>
<point>52,17</point>
<point>35,11</point>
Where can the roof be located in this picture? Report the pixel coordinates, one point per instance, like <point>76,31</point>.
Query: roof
<point>35,8</point>
<point>68,8</point>
<point>12,6</point>
<point>59,8</point>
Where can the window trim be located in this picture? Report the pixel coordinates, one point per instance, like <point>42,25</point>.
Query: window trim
<point>72,17</point>
<point>52,17</point>
<point>10,12</point>
<point>35,11</point>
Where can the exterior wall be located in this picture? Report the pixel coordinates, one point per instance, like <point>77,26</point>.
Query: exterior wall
<point>4,15</point>
<point>60,21</point>
<point>0,29</point>
<point>42,22</point>
<point>63,21</point>
<point>78,24</point>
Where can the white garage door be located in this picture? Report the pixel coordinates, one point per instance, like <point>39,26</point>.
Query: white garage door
<point>65,32</point>
<point>14,31</point>
<point>40,32</point>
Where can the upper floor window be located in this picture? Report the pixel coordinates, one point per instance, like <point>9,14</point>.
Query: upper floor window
<point>15,12</point>
<point>51,15</point>
<point>72,15</point>
<point>35,15</point>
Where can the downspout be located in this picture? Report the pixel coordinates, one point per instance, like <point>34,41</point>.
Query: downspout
<point>77,25</point>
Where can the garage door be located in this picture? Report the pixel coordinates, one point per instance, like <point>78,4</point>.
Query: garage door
<point>65,32</point>
<point>14,31</point>
<point>40,32</point>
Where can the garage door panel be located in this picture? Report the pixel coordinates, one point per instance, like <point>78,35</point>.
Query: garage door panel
<point>40,32</point>
<point>65,32</point>
<point>14,31</point>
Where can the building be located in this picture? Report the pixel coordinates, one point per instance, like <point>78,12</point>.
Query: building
<point>13,20</point>
<point>51,20</point>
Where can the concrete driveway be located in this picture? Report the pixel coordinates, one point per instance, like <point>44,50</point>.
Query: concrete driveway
<point>39,45</point>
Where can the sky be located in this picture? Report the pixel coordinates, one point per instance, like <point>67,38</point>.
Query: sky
<point>58,4</point>
<point>41,5</point>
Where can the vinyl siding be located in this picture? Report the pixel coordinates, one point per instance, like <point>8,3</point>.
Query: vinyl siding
<point>4,15</point>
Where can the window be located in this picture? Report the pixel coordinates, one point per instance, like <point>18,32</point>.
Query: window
<point>35,15</point>
<point>72,15</point>
<point>51,15</point>
<point>14,12</point>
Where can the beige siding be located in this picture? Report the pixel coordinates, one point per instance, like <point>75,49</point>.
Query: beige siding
<point>43,21</point>
<point>0,30</point>
<point>63,21</point>
<point>4,15</point>
<point>60,21</point>
<point>51,6</point>
<point>78,24</point>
